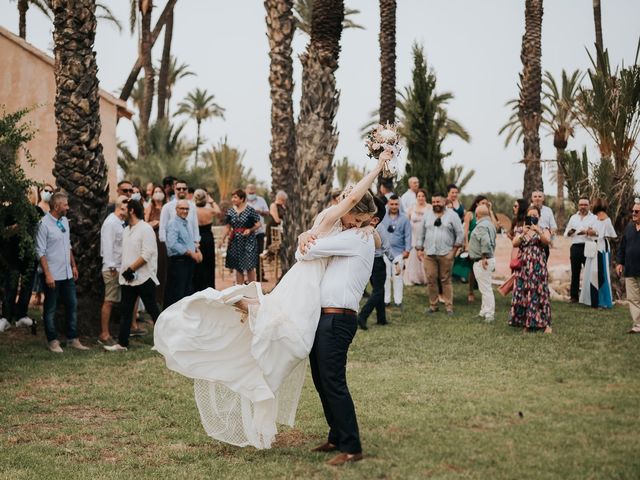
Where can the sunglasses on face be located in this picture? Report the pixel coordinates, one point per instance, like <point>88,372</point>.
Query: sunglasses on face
<point>635,211</point>
<point>181,189</point>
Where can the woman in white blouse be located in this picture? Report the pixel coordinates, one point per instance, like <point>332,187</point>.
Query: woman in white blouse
<point>596,280</point>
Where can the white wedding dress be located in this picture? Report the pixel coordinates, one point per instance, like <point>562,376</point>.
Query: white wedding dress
<point>248,372</point>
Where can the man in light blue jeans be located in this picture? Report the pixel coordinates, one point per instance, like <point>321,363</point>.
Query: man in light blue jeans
<point>53,247</point>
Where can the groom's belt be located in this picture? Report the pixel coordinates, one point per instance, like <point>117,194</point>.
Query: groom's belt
<point>337,311</point>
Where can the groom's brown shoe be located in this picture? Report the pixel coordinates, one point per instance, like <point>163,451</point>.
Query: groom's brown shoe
<point>325,447</point>
<point>343,458</point>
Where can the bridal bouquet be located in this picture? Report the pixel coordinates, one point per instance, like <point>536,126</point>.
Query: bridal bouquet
<point>383,137</point>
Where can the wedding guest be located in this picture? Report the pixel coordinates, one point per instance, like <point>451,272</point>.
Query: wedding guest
<point>399,229</point>
<point>452,196</point>
<point>111,253</point>
<point>579,230</point>
<point>204,275</point>
<point>45,196</point>
<point>137,272</point>
<point>385,189</point>
<point>482,246</point>
<point>124,188</point>
<point>152,216</point>
<point>530,304</point>
<point>168,185</point>
<point>547,220</point>
<point>260,206</point>
<point>596,281</point>
<point>242,223</point>
<point>183,255</point>
<point>277,210</point>
<point>440,239</point>
<point>628,258</point>
<point>519,209</point>
<point>190,192</point>
<point>53,247</point>
<point>169,210</point>
<point>408,198</point>
<point>136,194</point>
<point>148,194</point>
<point>379,272</point>
<point>414,272</point>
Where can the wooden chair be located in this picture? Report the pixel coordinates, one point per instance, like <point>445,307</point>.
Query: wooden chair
<point>221,247</point>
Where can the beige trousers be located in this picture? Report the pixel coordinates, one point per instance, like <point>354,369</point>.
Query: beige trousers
<point>632,285</point>
<point>439,267</point>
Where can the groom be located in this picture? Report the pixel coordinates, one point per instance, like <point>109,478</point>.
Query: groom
<point>351,261</point>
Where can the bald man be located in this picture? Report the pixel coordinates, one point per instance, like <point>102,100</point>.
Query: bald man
<point>482,246</point>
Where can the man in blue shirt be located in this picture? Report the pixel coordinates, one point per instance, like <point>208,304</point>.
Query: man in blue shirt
<point>53,247</point>
<point>398,227</point>
<point>183,255</point>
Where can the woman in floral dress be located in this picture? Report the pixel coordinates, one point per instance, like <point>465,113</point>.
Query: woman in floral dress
<point>530,305</point>
<point>242,223</point>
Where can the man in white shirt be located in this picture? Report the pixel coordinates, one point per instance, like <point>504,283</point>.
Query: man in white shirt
<point>408,198</point>
<point>580,227</point>
<point>137,272</point>
<point>341,289</point>
<point>111,253</point>
<point>168,213</point>
<point>547,220</point>
<point>260,206</point>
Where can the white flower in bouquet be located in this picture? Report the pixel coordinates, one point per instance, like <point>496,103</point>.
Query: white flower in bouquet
<point>381,138</point>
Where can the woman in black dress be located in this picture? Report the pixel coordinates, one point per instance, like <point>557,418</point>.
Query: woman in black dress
<point>205,273</point>
<point>242,223</point>
<point>276,211</point>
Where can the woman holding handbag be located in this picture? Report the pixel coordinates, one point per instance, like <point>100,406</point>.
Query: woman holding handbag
<point>517,228</point>
<point>530,304</point>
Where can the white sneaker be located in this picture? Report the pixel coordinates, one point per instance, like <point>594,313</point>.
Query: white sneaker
<point>75,343</point>
<point>115,348</point>
<point>24,322</point>
<point>4,324</point>
<point>54,346</point>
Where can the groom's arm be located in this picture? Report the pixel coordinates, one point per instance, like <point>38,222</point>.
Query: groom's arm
<point>344,244</point>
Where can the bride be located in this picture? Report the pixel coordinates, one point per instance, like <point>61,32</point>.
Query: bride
<point>247,351</point>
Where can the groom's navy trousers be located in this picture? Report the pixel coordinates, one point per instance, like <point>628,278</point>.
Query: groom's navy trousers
<point>328,360</point>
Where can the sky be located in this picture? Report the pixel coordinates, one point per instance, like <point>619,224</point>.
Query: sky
<point>473,47</point>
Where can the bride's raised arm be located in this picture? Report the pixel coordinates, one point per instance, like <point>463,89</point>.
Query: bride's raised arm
<point>351,200</point>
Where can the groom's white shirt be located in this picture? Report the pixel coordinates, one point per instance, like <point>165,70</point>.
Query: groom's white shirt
<point>348,270</point>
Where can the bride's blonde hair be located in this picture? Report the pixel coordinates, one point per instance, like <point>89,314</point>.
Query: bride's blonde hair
<point>365,205</point>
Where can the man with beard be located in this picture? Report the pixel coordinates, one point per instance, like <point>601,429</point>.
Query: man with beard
<point>579,229</point>
<point>437,245</point>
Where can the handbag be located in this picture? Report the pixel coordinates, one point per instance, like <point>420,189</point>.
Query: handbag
<point>515,263</point>
<point>507,286</point>
<point>590,249</point>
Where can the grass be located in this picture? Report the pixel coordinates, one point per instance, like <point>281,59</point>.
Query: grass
<point>437,397</point>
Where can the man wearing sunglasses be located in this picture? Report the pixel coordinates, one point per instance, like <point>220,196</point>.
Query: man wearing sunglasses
<point>398,228</point>
<point>53,247</point>
<point>440,239</point>
<point>169,212</point>
<point>125,189</point>
<point>628,258</point>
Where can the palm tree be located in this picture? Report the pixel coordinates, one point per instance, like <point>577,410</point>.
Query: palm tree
<point>387,60</point>
<point>347,173</point>
<point>165,65</point>
<point>176,72</point>
<point>280,31</point>
<point>560,117</point>
<point>530,109</point>
<point>199,106</point>
<point>597,20</point>
<point>79,165</point>
<point>304,8</point>
<point>45,6</point>
<point>316,135</point>
<point>457,176</point>
<point>225,164</point>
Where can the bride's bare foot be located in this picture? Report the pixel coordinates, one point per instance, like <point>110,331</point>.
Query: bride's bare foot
<point>548,330</point>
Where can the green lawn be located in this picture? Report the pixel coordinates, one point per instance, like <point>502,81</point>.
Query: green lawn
<point>437,397</point>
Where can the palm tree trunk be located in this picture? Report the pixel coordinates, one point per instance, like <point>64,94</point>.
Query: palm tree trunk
<point>163,77</point>
<point>387,61</point>
<point>23,6</point>
<point>316,134</point>
<point>560,214</point>
<point>199,122</point>
<point>597,20</point>
<point>135,71</point>
<point>146,7</point>
<point>280,30</point>
<point>79,165</point>
<point>530,111</point>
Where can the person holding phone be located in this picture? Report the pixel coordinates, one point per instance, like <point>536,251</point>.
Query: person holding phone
<point>580,230</point>
<point>530,305</point>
